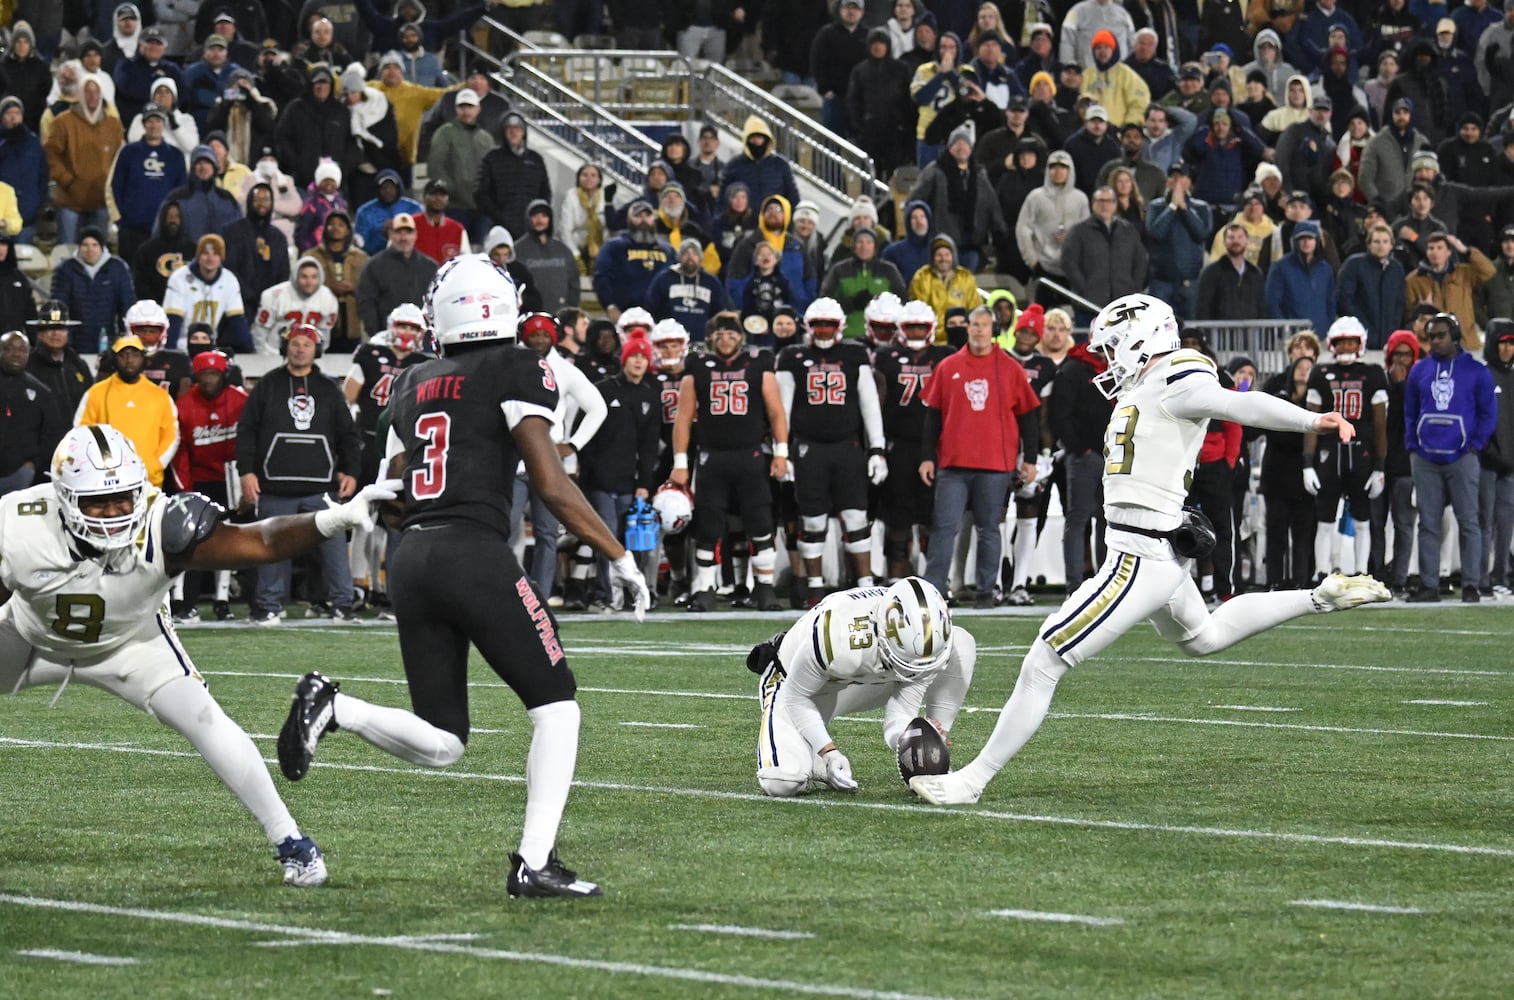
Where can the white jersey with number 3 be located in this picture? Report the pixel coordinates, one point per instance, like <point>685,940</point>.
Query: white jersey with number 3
<point>74,608</point>
<point>1149,454</point>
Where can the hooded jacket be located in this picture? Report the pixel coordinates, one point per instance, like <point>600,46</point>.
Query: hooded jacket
<point>553,266</point>
<point>1278,73</point>
<point>278,449</point>
<point>910,252</point>
<point>508,181</point>
<point>142,179</point>
<point>1048,215</point>
<point>256,251</point>
<point>1299,290</point>
<point>373,215</point>
<point>97,297</point>
<point>30,79</point>
<point>959,289</point>
<point>1450,409</point>
<point>160,256</point>
<point>1498,454</point>
<point>207,207</point>
<point>1397,456</point>
<point>342,262</point>
<point>17,304</point>
<point>309,130</point>
<point>23,165</point>
<point>793,263</point>
<point>769,175</point>
<point>79,156</point>
<point>969,215</point>
<point>1120,89</point>
<point>1085,20</point>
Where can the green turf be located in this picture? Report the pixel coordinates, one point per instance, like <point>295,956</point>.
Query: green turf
<point>1199,837</point>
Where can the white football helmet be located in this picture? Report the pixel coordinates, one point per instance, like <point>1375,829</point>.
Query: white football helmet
<point>98,461</point>
<point>674,506</point>
<point>471,300</point>
<point>913,628</point>
<point>825,311</point>
<point>671,342</point>
<point>1129,332</point>
<point>882,317</point>
<point>406,340</point>
<point>633,317</point>
<point>1346,328</point>
<point>147,320</point>
<point>917,324</point>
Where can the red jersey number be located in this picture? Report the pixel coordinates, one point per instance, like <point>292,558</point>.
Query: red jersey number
<point>913,383</point>
<point>380,391</point>
<point>430,480</point>
<point>727,397</point>
<point>826,389</point>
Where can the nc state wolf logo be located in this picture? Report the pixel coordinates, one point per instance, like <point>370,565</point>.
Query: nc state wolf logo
<point>977,393</point>
<point>302,409</point>
<point>1442,389</point>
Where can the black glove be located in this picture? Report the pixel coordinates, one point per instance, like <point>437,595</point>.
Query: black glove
<point>610,190</point>
<point>1492,54</point>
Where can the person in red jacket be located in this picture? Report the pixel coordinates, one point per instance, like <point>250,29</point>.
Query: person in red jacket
<point>980,428</point>
<point>208,416</point>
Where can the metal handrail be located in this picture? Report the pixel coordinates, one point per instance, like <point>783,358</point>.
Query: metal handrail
<point>1068,293</point>
<point>613,67</point>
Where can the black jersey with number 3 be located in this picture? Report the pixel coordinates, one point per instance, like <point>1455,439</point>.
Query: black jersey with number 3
<point>905,374</point>
<point>826,407</point>
<point>1350,390</point>
<point>731,413</point>
<point>454,418</point>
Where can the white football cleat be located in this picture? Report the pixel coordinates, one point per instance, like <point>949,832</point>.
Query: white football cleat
<point>944,789</point>
<point>1340,593</point>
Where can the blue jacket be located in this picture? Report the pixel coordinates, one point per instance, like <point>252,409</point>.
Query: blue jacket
<point>23,165</point>
<point>372,215</point>
<point>1374,294</point>
<point>1299,291</point>
<point>386,30</point>
<point>625,268</point>
<point>767,176</point>
<point>1449,408</point>
<point>203,87</point>
<point>1222,172</point>
<point>205,207</point>
<point>142,178</point>
<point>910,253</point>
<point>134,79</point>
<point>691,301</point>
<point>98,303</point>
<point>1179,239</point>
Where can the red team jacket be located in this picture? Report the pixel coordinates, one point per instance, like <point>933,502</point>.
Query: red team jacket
<point>207,435</point>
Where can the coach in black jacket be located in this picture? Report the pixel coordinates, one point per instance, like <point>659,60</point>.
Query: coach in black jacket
<point>296,443</point>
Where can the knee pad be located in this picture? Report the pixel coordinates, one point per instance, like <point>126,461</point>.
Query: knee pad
<point>812,537</point>
<point>854,520</point>
<point>704,557</point>
<point>764,557</point>
<point>857,531</point>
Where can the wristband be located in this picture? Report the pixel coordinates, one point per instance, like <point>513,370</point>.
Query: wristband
<point>875,451</point>
<point>329,522</point>
<point>680,460</point>
<point>780,449</point>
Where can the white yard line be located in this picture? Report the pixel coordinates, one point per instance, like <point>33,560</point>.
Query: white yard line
<point>1058,918</point>
<point>470,951</point>
<point>737,931</point>
<point>825,802</point>
<point>1295,726</point>
<point>77,957</point>
<point>403,938</point>
<point>1341,904</point>
<point>662,725</point>
<point>1270,664</point>
<point>1444,701</point>
<point>1256,708</point>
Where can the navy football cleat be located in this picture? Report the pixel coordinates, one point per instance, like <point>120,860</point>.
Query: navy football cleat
<point>304,865</point>
<point>311,717</point>
<point>550,880</point>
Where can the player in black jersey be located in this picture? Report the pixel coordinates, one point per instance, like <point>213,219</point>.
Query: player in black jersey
<point>832,399</point>
<point>370,379</point>
<point>458,428</point>
<point>733,396</point>
<point>671,342</point>
<point>1357,391</point>
<point>903,371</point>
<point>1031,499</point>
<point>161,366</point>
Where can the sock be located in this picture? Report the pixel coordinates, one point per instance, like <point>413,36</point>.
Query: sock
<point>817,582</point>
<point>1324,534</point>
<point>1361,545</point>
<point>549,775</point>
<point>185,706</point>
<point>1246,615</point>
<point>1206,583</point>
<point>1022,714</point>
<point>178,587</point>
<point>704,578</point>
<point>398,732</point>
<point>1024,550</point>
<point>223,584</point>
<point>864,581</point>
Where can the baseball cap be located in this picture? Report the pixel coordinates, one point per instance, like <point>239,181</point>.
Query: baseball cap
<point>1403,104</point>
<point>1191,71</point>
<point>130,340</point>
<point>1018,103</point>
<point>215,42</point>
<point>708,129</point>
<point>466,96</point>
<point>389,174</point>
<point>320,71</point>
<point>209,359</point>
<point>404,220</point>
<point>638,206</point>
<point>849,3</point>
<point>1060,158</point>
<point>437,186</point>
<point>1507,234</point>
<point>154,111</point>
<point>152,33</point>
<point>1445,24</point>
<point>1323,102</point>
<point>225,16</point>
<point>1178,167</point>
<point>1096,112</point>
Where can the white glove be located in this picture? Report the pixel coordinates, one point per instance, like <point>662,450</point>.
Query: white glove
<point>1375,484</point>
<point>877,469</point>
<point>838,771</point>
<point>357,512</point>
<point>1311,482</point>
<point>626,575</point>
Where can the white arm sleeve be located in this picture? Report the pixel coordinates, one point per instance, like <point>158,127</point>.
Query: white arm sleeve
<point>872,413</point>
<point>590,403</point>
<point>392,446</point>
<point>786,391</point>
<point>804,681</point>
<point>355,375</point>
<point>1200,398</point>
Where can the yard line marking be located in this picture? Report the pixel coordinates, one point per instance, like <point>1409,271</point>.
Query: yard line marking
<point>1397,628</point>
<point>752,932</point>
<point>488,684</point>
<point>663,725</point>
<point>405,938</point>
<point>1058,918</point>
<point>1454,671</point>
<point>1444,701</point>
<point>77,957</point>
<point>1296,726</point>
<point>1341,904</point>
<point>449,948</point>
<point>849,803</point>
<point>1257,708</point>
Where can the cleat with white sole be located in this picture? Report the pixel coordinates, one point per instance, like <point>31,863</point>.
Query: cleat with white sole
<point>550,880</point>
<point>304,865</point>
<point>1341,593</point>
<point>944,789</point>
<point>311,716</point>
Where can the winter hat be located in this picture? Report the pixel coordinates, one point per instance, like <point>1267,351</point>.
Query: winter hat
<point>92,233</point>
<point>353,78</point>
<point>9,102</point>
<point>867,231</point>
<point>807,210</point>
<point>636,345</point>
<point>210,241</point>
<point>732,188</point>
<point>1238,362</point>
<point>1043,77</point>
<point>209,359</point>
<point>390,58</point>
<point>203,152</point>
<point>863,208</point>
<point>1104,37</point>
<point>1424,159</point>
<point>960,134</point>
<point>1033,319</point>
<point>1257,76</point>
<point>24,30</point>
<point>691,242</point>
<point>1265,170</point>
<point>328,168</point>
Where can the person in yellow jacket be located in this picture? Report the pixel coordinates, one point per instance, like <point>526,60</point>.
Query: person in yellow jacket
<point>943,285</point>
<point>10,212</point>
<point>1262,234</point>
<point>1114,85</point>
<point>410,101</point>
<point>139,408</point>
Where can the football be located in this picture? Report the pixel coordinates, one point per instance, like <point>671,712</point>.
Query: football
<point>922,750</point>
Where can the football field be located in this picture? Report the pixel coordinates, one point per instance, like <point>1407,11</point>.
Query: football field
<point>1326,810</point>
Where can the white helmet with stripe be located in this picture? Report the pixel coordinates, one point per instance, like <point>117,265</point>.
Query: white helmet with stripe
<point>93,462</point>
<point>1128,333</point>
<point>913,628</point>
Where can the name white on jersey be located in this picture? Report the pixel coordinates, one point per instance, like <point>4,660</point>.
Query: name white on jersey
<point>70,608</point>
<point>1149,454</point>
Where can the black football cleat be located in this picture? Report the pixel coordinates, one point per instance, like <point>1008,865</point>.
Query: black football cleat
<point>766,598</point>
<point>311,717</point>
<point>550,880</point>
<point>702,602</point>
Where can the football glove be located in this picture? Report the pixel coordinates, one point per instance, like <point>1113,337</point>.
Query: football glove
<point>838,771</point>
<point>1311,482</point>
<point>625,576</point>
<point>1375,484</point>
<point>358,512</point>
<point>877,469</point>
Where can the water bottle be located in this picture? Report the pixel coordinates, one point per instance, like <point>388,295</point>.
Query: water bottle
<point>641,527</point>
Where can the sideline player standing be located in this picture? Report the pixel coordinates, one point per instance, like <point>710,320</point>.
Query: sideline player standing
<point>1165,397</point>
<point>87,563</point>
<point>458,426</point>
<point>854,651</point>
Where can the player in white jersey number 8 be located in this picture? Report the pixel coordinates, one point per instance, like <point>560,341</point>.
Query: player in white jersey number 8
<point>1164,397</point>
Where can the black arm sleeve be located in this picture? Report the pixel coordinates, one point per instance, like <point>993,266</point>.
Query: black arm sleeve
<point>932,434</point>
<point>1030,435</point>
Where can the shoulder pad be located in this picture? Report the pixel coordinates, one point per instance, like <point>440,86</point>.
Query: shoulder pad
<point>1185,363</point>
<point>189,519</point>
<point>1190,357</point>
